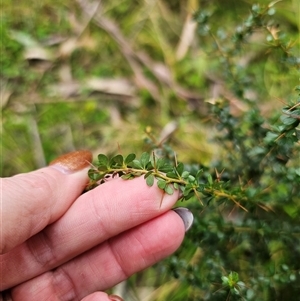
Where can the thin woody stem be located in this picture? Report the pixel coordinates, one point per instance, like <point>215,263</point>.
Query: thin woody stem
<point>155,173</point>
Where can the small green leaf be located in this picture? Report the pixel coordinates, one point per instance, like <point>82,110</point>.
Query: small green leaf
<point>186,191</point>
<point>94,175</point>
<point>209,179</point>
<point>149,166</point>
<point>169,189</point>
<point>127,176</point>
<point>166,168</point>
<point>189,195</point>
<point>191,178</point>
<point>118,159</point>
<point>172,175</point>
<point>199,172</point>
<point>137,164</point>
<point>148,174</point>
<point>129,158</point>
<point>145,158</point>
<point>176,186</point>
<point>224,280</point>
<point>102,160</point>
<point>160,163</point>
<point>200,187</point>
<point>161,184</point>
<point>288,120</point>
<point>102,168</point>
<point>179,168</point>
<point>270,137</point>
<point>185,174</point>
<point>150,180</point>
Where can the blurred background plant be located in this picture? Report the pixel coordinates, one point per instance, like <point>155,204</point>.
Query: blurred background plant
<point>215,81</point>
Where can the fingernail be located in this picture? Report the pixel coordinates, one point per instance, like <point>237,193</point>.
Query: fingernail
<point>186,216</point>
<point>115,298</point>
<point>73,161</point>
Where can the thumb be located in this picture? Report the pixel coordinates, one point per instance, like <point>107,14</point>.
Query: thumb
<point>31,201</point>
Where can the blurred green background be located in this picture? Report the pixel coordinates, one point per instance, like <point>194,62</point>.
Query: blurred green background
<point>94,75</point>
<point>70,82</point>
<point>105,75</point>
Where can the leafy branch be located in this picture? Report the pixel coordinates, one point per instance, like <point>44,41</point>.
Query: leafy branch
<point>168,177</point>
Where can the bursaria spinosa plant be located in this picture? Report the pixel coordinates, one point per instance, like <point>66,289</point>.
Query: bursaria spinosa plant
<point>168,176</point>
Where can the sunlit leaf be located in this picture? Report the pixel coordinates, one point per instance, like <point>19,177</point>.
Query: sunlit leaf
<point>185,174</point>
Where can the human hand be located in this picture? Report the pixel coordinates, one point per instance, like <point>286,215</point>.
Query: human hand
<point>59,244</point>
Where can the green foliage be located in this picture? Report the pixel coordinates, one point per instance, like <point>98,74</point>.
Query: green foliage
<point>247,217</point>
<point>168,177</point>
<point>260,167</point>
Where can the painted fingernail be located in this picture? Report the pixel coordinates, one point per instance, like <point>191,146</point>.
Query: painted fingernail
<point>73,161</point>
<point>115,298</point>
<point>186,216</point>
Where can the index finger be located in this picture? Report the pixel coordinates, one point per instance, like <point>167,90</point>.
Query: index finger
<point>31,201</point>
<point>96,216</point>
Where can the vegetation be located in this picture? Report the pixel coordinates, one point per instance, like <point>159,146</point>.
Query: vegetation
<point>211,84</point>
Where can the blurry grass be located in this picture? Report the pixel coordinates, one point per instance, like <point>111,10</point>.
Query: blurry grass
<point>83,120</point>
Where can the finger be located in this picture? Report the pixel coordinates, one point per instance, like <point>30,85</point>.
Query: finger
<point>104,212</point>
<point>100,296</point>
<point>31,201</point>
<point>109,263</point>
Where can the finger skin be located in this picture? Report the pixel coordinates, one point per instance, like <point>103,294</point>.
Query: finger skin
<point>107,264</point>
<point>94,217</point>
<point>97,296</point>
<point>33,200</point>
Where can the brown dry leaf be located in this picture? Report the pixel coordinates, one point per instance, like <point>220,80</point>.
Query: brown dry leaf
<point>67,86</point>
<point>273,30</point>
<point>38,53</point>
<point>65,89</point>
<point>162,72</point>
<point>119,86</point>
<point>136,59</point>
<point>76,25</point>
<point>187,37</point>
<point>33,49</point>
<point>54,39</point>
<point>65,73</point>
<point>167,131</point>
